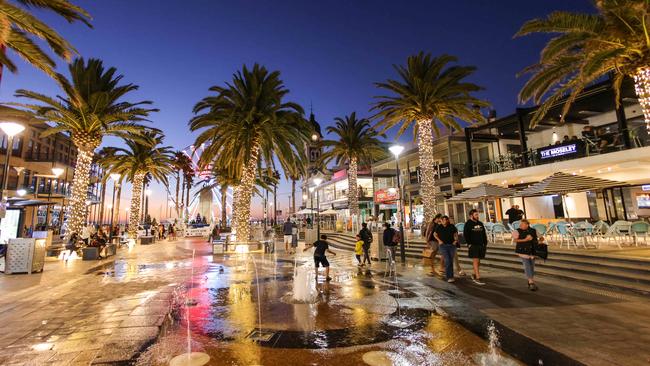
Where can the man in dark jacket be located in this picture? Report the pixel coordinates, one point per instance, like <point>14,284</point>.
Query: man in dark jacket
<point>389,234</point>
<point>287,230</point>
<point>366,236</point>
<point>476,238</point>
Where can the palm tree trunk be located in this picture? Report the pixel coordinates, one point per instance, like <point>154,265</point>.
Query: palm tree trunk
<point>244,192</point>
<point>187,200</point>
<point>224,202</point>
<point>428,180</point>
<point>134,212</point>
<point>102,201</point>
<point>180,214</point>
<point>80,183</point>
<point>353,191</point>
<point>642,87</point>
<point>116,208</point>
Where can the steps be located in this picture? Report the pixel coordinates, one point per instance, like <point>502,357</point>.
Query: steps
<point>628,274</point>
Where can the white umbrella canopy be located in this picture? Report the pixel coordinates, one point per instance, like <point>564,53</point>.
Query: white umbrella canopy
<point>483,191</point>
<point>306,211</point>
<point>562,183</point>
<point>329,212</point>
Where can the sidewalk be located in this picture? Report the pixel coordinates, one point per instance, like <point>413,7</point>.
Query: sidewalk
<point>91,312</point>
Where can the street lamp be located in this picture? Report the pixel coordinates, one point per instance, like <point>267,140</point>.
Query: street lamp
<point>396,150</point>
<point>311,204</point>
<point>116,182</point>
<point>11,129</point>
<point>147,193</point>
<point>317,182</point>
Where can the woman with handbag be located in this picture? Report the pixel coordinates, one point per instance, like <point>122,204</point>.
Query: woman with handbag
<point>432,251</point>
<point>525,238</point>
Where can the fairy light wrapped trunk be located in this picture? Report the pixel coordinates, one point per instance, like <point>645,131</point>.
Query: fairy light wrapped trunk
<point>134,211</point>
<point>243,194</point>
<point>642,87</point>
<point>86,146</point>
<point>353,191</point>
<point>427,173</point>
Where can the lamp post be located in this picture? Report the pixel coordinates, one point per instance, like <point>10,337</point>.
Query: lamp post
<point>396,150</point>
<point>116,182</point>
<point>11,129</point>
<point>311,204</point>
<point>317,182</point>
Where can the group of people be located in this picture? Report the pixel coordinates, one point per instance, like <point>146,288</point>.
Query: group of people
<point>89,238</point>
<point>290,231</point>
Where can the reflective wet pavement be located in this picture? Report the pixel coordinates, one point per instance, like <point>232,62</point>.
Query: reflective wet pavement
<point>354,316</point>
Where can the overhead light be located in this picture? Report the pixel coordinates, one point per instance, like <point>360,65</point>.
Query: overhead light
<point>11,128</point>
<point>311,189</point>
<point>396,149</point>
<point>57,171</point>
<point>115,176</point>
<point>21,192</point>
<point>318,181</point>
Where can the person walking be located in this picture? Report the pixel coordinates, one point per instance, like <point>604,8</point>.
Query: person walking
<point>366,236</point>
<point>322,247</point>
<point>389,241</point>
<point>476,238</point>
<point>432,242</point>
<point>526,239</point>
<point>287,230</point>
<point>294,237</point>
<point>514,214</point>
<point>447,237</point>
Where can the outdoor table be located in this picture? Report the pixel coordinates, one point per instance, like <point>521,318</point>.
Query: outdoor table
<point>581,232</point>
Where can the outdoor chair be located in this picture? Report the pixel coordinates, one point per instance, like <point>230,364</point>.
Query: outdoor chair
<point>551,232</point>
<point>565,235</point>
<point>617,232</point>
<point>640,228</point>
<point>499,229</point>
<point>515,225</point>
<point>460,227</point>
<point>488,230</point>
<point>540,228</point>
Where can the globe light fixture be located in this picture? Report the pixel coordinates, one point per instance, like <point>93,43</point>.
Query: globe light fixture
<point>318,181</point>
<point>396,150</point>
<point>314,137</point>
<point>21,192</point>
<point>115,176</point>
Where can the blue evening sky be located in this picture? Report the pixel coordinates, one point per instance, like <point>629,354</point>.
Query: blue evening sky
<point>329,52</point>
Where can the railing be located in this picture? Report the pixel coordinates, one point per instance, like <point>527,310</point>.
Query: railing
<point>49,157</point>
<point>562,151</point>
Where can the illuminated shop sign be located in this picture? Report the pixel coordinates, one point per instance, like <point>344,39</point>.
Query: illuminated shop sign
<point>557,151</point>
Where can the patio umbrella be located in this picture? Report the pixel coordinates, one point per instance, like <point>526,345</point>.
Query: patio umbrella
<point>306,211</point>
<point>484,192</point>
<point>562,183</point>
<point>329,212</point>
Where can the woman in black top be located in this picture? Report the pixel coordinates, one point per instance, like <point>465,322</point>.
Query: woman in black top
<point>433,243</point>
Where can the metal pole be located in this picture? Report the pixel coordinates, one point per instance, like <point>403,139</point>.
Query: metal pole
<point>401,212</point>
<point>110,235</point>
<point>5,177</point>
<point>317,214</point>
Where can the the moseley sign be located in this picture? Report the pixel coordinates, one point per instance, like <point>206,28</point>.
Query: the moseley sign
<point>557,151</point>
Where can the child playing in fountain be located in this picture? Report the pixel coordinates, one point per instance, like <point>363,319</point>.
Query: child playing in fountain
<point>321,246</point>
<point>358,249</point>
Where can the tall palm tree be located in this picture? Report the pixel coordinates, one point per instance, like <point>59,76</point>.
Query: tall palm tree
<point>219,179</point>
<point>142,157</point>
<point>615,41</point>
<point>182,164</point>
<point>93,107</point>
<point>428,95</point>
<point>356,143</point>
<point>247,123</point>
<point>19,27</point>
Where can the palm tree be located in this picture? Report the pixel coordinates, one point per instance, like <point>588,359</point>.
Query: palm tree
<point>219,179</point>
<point>248,123</point>
<point>430,94</point>
<point>614,41</point>
<point>356,143</point>
<point>142,157</point>
<point>182,164</point>
<point>92,107</point>
<point>20,27</point>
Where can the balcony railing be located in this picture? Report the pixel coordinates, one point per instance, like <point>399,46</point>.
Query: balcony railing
<point>50,157</point>
<point>560,151</point>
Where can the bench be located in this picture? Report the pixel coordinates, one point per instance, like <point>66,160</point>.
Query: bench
<point>146,240</point>
<point>92,253</point>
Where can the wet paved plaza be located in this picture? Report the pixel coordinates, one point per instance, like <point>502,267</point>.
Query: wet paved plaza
<point>134,310</point>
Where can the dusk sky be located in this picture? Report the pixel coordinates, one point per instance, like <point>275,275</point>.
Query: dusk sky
<point>329,53</point>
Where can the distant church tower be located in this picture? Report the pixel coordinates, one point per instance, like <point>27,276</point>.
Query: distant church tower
<point>314,150</point>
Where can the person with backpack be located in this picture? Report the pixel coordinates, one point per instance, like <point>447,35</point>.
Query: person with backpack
<point>391,239</point>
<point>447,237</point>
<point>366,236</point>
<point>526,239</point>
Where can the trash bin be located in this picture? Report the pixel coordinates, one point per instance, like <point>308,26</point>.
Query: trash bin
<point>24,255</point>
<point>377,249</point>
